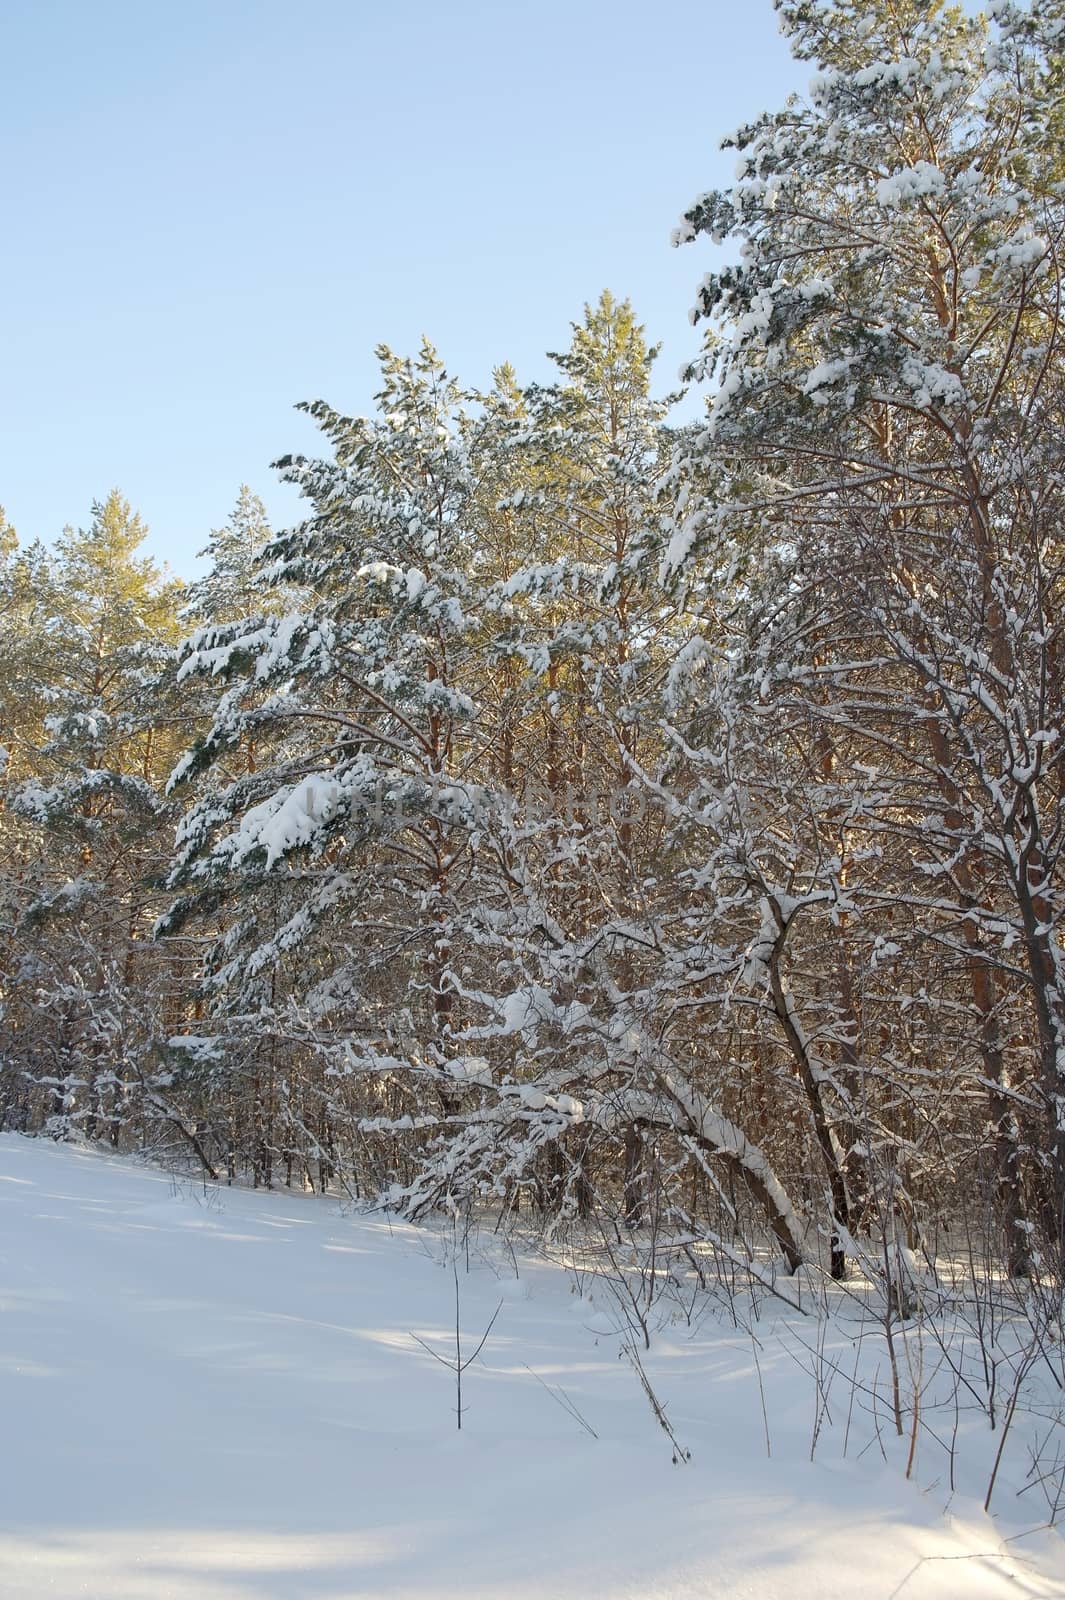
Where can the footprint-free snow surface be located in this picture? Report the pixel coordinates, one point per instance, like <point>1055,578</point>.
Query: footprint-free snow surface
<point>219,1393</point>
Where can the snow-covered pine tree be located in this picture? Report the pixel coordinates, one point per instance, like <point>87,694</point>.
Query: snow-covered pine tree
<point>340,858</point>
<point>23,677</point>
<point>233,587</point>
<point>886,434</point>
<point>88,989</point>
<point>575,466</point>
<point>234,1091</point>
<point>574,1067</point>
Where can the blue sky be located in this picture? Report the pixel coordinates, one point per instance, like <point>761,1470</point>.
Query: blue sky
<point>214,210</point>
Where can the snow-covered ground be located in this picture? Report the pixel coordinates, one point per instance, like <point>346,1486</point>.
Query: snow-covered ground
<point>218,1394</point>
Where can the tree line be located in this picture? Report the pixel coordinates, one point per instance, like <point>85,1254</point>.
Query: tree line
<point>583,811</point>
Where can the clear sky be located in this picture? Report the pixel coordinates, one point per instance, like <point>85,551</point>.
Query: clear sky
<point>215,208</point>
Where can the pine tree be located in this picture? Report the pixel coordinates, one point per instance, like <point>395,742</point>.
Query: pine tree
<point>340,855</point>
<point>885,440</point>
<point>25,647</point>
<point>91,827</point>
<point>233,586</point>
